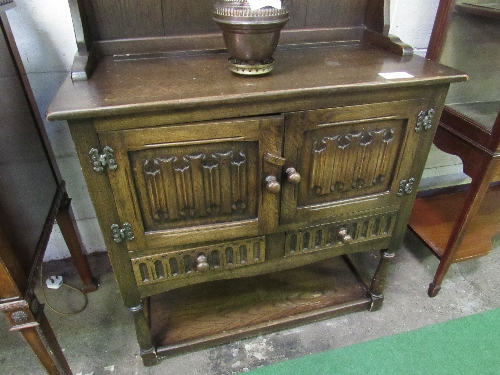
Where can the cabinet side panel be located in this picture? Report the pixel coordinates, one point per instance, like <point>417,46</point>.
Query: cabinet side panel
<point>415,165</point>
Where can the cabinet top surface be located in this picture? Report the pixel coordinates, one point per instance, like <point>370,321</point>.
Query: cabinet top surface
<point>177,82</point>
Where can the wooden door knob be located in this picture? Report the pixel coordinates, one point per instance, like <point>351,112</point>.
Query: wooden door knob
<point>202,263</point>
<point>293,177</point>
<point>344,236</point>
<point>272,185</point>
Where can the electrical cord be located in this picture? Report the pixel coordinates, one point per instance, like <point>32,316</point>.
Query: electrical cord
<point>85,298</point>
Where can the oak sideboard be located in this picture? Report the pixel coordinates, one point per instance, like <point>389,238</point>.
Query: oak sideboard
<point>230,204</point>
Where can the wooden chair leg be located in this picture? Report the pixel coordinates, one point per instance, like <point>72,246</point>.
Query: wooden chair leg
<point>38,333</point>
<point>473,199</point>
<point>44,343</point>
<point>67,223</point>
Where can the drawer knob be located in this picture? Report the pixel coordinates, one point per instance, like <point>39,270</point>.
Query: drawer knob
<point>293,177</point>
<point>202,263</point>
<point>344,236</point>
<point>272,185</point>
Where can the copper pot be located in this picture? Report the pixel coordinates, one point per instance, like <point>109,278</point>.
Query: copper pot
<point>250,36</point>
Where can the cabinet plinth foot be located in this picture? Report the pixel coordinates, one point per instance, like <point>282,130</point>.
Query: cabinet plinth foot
<point>149,357</point>
<point>379,278</point>
<point>144,338</point>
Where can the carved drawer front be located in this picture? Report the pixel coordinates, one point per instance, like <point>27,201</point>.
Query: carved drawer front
<point>330,236</point>
<point>195,182</point>
<point>213,258</point>
<point>349,158</point>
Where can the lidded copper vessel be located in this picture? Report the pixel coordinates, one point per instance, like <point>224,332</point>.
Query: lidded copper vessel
<point>250,35</point>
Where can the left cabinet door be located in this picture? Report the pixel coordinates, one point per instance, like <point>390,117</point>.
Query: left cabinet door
<point>195,183</point>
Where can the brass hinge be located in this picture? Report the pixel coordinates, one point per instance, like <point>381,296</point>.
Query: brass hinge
<point>424,120</point>
<point>405,187</point>
<point>102,160</point>
<point>120,234</point>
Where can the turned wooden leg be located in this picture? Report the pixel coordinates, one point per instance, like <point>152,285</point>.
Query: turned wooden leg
<point>473,199</point>
<point>143,331</point>
<point>67,223</point>
<point>38,333</point>
<point>379,278</point>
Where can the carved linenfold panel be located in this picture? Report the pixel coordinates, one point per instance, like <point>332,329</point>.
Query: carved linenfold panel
<point>162,267</point>
<point>181,186</point>
<point>328,236</point>
<point>355,161</point>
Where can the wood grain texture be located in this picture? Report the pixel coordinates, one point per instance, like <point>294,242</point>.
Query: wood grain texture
<point>203,175</point>
<point>102,199</point>
<point>189,17</point>
<point>183,186</point>
<point>414,162</point>
<point>119,19</point>
<point>339,158</point>
<point>377,16</point>
<point>432,219</point>
<point>184,263</point>
<point>67,223</point>
<point>44,344</point>
<point>349,134</point>
<point>471,131</point>
<point>438,35</point>
<point>311,14</point>
<point>226,310</point>
<point>389,42</point>
<point>122,19</point>
<point>203,83</point>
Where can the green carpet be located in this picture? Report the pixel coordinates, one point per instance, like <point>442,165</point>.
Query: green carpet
<point>468,345</point>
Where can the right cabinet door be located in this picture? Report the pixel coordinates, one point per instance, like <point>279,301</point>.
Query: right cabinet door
<point>350,159</point>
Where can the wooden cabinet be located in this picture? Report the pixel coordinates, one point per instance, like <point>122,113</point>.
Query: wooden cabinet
<point>229,204</point>
<point>217,181</point>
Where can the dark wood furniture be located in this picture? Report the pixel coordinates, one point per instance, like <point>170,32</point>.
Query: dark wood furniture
<point>458,226</point>
<point>32,196</point>
<point>229,204</point>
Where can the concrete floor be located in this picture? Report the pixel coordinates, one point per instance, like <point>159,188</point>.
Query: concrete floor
<point>101,339</point>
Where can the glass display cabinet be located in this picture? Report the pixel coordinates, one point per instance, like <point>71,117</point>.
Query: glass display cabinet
<point>458,225</point>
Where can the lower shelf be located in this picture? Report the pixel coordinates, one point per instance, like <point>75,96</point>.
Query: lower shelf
<point>217,312</point>
<point>433,217</point>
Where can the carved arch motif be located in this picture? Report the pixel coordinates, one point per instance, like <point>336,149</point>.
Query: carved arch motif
<point>352,161</point>
<point>196,185</point>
